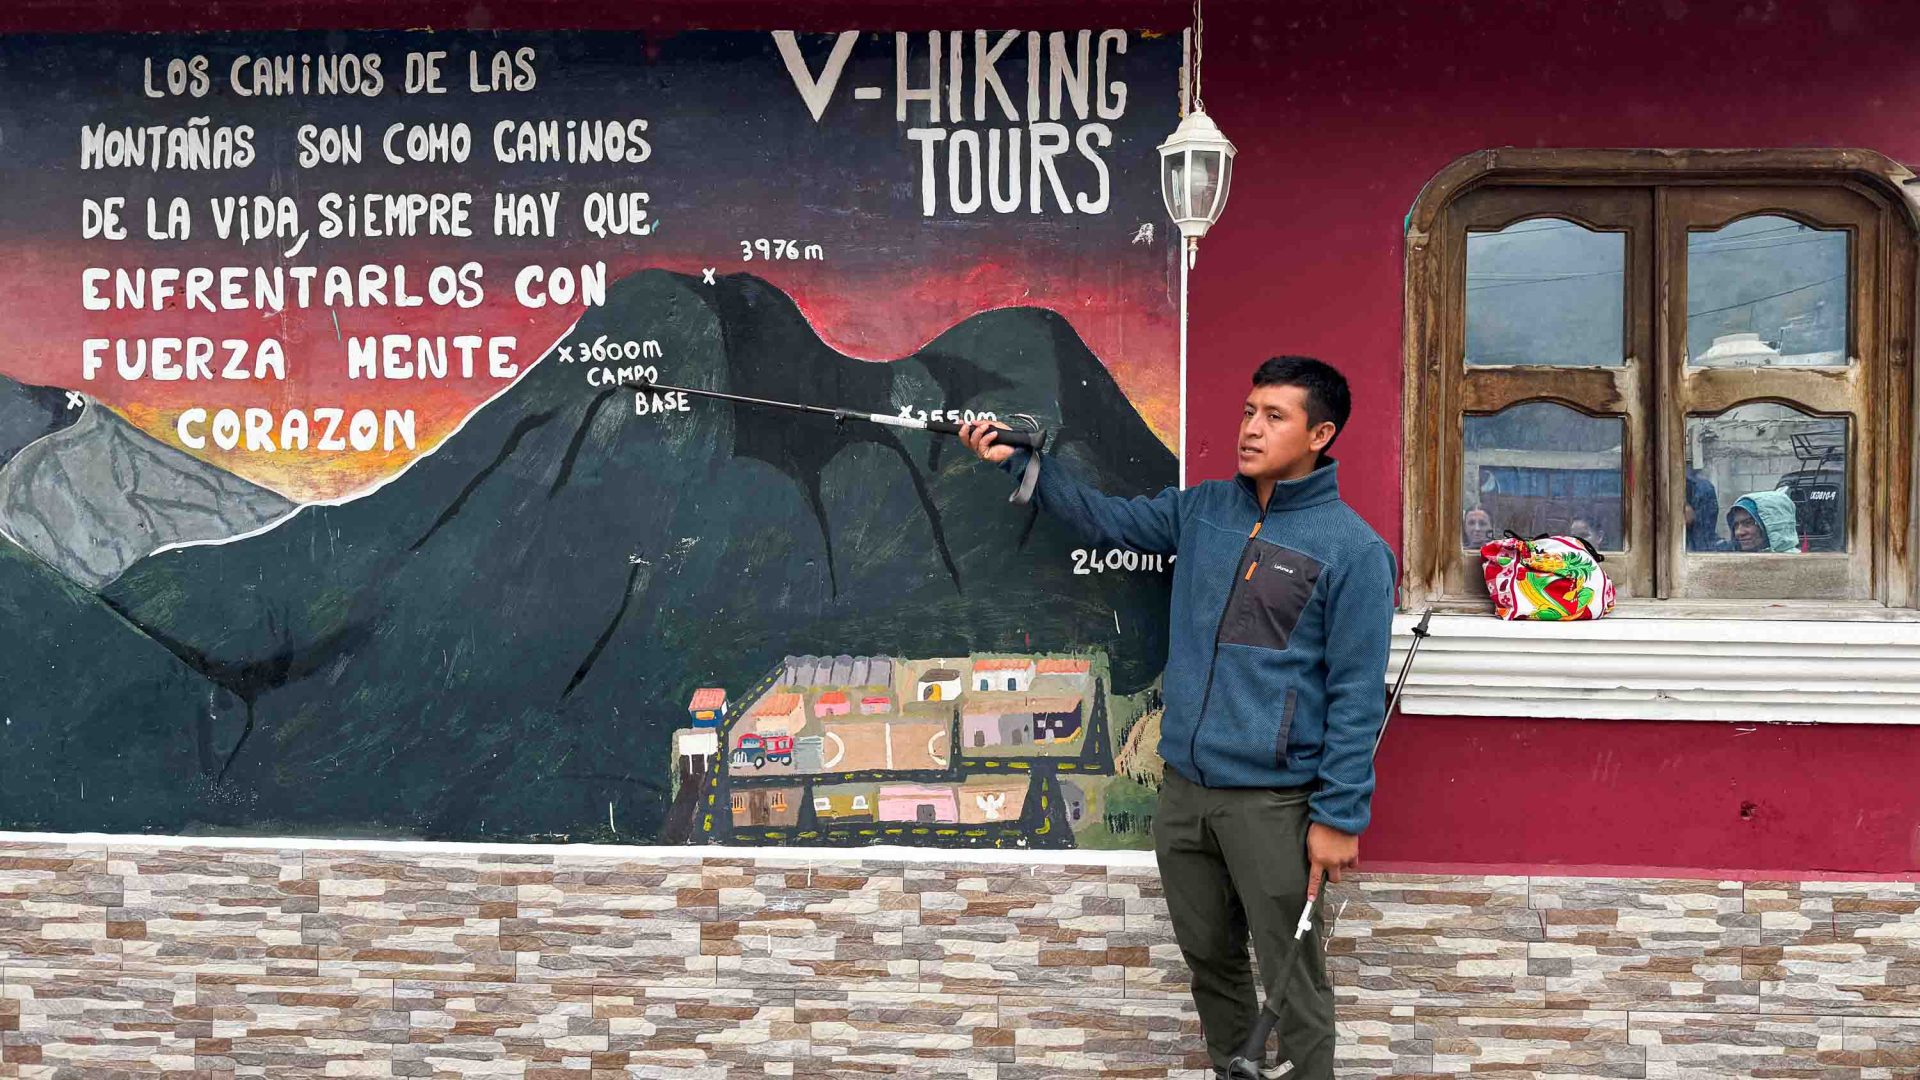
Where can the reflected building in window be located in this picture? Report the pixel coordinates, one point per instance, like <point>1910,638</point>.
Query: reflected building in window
<point>1767,291</point>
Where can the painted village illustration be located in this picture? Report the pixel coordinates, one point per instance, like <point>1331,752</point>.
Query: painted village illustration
<point>1006,750</point>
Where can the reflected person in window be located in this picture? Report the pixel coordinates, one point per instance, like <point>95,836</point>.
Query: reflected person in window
<point>1477,528</point>
<point>1765,521</point>
<point>1586,530</point>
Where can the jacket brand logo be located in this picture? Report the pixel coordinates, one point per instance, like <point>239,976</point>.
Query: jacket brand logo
<point>1283,568</point>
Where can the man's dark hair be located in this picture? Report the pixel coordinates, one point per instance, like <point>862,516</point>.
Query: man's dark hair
<point>1328,398</point>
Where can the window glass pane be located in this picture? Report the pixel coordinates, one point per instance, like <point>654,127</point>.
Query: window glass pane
<point>1767,292</point>
<point>1766,478</point>
<point>1538,468</point>
<point>1546,291</point>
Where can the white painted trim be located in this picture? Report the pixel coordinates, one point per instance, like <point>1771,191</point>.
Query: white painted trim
<point>686,853</point>
<point>1664,669</point>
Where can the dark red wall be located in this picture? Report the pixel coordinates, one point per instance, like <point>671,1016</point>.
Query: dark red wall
<point>1341,116</point>
<point>1341,113</point>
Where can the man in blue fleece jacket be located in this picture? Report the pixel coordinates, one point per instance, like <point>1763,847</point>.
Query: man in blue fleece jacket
<point>1275,691</point>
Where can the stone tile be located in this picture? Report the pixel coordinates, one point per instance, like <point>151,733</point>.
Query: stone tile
<point>1881,1048</point>
<point>1434,941</point>
<point>985,930</point>
<point>1077,900</point>
<point>979,960</point>
<point>289,1025</point>
<point>415,916</point>
<point>1144,913</point>
<point>1046,1070</point>
<point>878,900</point>
<point>1884,919</point>
<point>1379,1042</point>
<point>1163,974</point>
<point>802,957</point>
<point>476,1029</point>
<point>1790,914</point>
<point>1530,1042</point>
<point>1699,1046</point>
<point>821,928</point>
<point>91,1022</point>
<point>1617,943</point>
<point>1154,966</point>
<point>1073,1034</point>
<point>886,1034</point>
<point>54,901</point>
<point>692,1031</point>
<point>1869,965</point>
<point>856,1068</point>
<point>213,910</point>
<point>618,925</point>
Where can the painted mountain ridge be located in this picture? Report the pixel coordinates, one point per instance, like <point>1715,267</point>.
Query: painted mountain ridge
<point>29,414</point>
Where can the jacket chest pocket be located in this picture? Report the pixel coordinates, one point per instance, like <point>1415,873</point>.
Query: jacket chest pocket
<point>1270,593</point>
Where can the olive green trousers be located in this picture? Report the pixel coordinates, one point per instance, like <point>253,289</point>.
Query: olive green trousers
<point>1233,864</point>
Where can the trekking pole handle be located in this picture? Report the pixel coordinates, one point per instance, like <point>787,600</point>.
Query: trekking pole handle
<point>1001,436</point>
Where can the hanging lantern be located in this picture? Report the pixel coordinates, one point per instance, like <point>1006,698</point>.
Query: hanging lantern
<point>1196,166</point>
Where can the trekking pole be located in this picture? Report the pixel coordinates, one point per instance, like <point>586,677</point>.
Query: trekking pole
<point>1246,1064</point>
<point>1034,440</point>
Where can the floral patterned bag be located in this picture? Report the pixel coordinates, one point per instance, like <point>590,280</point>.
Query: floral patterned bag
<point>1551,578</point>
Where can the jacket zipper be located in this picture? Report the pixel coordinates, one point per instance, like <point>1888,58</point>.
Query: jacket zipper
<point>1193,739</point>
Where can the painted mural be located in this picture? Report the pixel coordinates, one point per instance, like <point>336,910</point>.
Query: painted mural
<point>336,500</point>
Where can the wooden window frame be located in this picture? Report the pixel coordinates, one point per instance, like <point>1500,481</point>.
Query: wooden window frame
<point>1657,393</point>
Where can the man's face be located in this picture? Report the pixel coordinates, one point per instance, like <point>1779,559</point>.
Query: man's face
<point>1277,442</point>
<point>1747,533</point>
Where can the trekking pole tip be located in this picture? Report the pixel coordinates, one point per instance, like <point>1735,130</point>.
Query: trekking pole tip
<point>1426,620</point>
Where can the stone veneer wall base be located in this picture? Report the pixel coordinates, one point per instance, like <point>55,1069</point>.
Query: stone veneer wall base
<point>128,958</point>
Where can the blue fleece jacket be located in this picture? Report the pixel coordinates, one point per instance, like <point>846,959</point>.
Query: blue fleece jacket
<point>1280,626</point>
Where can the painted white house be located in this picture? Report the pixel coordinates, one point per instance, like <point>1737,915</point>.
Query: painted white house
<point>939,684</point>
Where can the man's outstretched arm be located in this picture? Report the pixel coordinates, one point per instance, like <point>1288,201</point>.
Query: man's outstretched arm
<point>1143,523</point>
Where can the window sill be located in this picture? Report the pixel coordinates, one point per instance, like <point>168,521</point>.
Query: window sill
<point>1643,664</point>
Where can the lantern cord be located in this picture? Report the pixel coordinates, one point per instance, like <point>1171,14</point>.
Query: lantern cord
<point>1199,42</point>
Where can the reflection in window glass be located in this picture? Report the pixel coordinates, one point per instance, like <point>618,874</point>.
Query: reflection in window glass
<point>1546,291</point>
<point>1766,478</point>
<point>1767,292</point>
<point>1539,468</point>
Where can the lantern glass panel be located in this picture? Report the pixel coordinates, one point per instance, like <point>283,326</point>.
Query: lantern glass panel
<point>1226,181</point>
<point>1206,182</point>
<point>1173,184</point>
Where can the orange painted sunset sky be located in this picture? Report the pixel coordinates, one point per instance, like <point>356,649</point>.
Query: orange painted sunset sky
<point>735,151</point>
